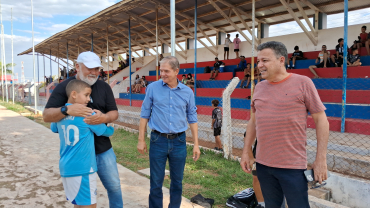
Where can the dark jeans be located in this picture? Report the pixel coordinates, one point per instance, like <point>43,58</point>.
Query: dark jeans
<point>108,174</point>
<point>279,182</point>
<point>162,148</point>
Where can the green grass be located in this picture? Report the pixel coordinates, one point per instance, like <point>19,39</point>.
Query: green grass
<point>212,175</point>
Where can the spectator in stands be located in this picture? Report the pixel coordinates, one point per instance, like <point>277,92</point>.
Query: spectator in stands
<point>168,140</point>
<point>122,65</point>
<point>236,42</point>
<point>46,81</point>
<point>127,60</point>
<point>190,81</point>
<point>242,64</point>
<point>297,55</point>
<point>217,124</point>
<point>257,74</point>
<point>103,74</point>
<point>362,38</point>
<point>247,76</point>
<point>323,59</point>
<point>137,81</point>
<point>216,68</point>
<point>227,47</point>
<point>337,58</point>
<point>354,58</point>
<point>367,44</point>
<point>279,122</point>
<point>144,82</point>
<point>160,59</point>
<point>184,79</point>
<point>133,60</point>
<point>354,46</point>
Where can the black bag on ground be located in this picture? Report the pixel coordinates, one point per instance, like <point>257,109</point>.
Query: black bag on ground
<point>207,69</point>
<point>205,202</point>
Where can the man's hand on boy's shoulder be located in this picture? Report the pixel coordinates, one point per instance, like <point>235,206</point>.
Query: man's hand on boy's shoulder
<point>79,110</point>
<point>98,118</point>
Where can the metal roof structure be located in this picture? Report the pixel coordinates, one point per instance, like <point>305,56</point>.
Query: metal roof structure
<point>111,24</point>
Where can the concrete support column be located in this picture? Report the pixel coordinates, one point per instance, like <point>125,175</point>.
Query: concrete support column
<point>145,52</point>
<point>165,48</point>
<point>221,38</point>
<point>320,21</point>
<point>263,30</point>
<point>190,44</point>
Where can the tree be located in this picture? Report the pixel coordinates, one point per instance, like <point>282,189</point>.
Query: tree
<point>7,68</point>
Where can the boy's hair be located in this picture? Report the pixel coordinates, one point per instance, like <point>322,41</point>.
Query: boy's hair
<point>296,48</point>
<point>184,75</point>
<point>215,102</point>
<point>340,40</point>
<point>364,27</point>
<point>76,85</point>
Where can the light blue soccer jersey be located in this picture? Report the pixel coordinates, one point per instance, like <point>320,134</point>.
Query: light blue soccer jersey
<point>77,152</point>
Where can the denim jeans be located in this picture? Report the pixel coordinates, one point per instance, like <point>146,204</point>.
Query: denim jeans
<point>279,182</point>
<point>108,174</point>
<point>162,148</point>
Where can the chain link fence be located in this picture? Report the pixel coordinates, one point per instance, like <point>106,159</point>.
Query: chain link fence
<point>348,152</point>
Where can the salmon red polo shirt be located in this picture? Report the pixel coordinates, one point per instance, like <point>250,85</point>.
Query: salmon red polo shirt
<point>281,110</point>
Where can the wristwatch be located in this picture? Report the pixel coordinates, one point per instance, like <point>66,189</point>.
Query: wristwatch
<point>64,110</point>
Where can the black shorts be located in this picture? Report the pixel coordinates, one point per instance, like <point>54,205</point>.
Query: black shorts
<point>321,65</point>
<point>226,48</point>
<point>236,50</point>
<point>217,131</point>
<point>247,75</point>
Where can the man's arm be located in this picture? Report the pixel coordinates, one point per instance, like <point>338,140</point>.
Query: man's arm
<point>141,146</point>
<point>55,115</point>
<point>248,140</point>
<point>194,132</point>
<point>322,134</point>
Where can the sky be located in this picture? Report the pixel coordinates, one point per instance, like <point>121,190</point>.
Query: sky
<point>53,16</point>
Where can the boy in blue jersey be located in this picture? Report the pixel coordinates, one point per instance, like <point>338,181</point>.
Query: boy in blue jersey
<point>77,162</point>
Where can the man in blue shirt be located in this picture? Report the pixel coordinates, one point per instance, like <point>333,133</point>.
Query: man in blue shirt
<point>169,106</point>
<point>77,164</point>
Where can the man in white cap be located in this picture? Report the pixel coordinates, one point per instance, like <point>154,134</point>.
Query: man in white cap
<point>104,105</point>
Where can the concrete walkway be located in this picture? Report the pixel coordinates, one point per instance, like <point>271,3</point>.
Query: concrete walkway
<point>29,173</point>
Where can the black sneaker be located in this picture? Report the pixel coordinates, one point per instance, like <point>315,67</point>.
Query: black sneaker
<point>204,202</point>
<point>232,202</point>
<point>260,206</point>
<point>221,149</point>
<point>216,148</point>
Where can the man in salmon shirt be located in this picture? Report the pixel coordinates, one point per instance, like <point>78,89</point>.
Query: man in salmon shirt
<point>280,107</point>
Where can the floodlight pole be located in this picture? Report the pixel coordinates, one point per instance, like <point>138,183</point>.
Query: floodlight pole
<point>51,69</point>
<point>173,28</point>
<point>38,69</point>
<point>33,57</point>
<point>1,54</point>
<point>11,13</point>
<point>129,51</point>
<point>252,60</point>
<point>156,41</point>
<point>67,62</point>
<point>108,53</point>
<point>43,57</point>
<point>195,48</point>
<point>344,91</point>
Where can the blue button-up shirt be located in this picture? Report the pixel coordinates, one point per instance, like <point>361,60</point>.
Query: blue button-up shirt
<point>243,64</point>
<point>169,110</point>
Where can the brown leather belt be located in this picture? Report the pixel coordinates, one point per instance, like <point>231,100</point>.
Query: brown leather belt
<point>168,136</point>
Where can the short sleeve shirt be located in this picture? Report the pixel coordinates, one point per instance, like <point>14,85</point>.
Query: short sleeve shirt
<point>236,42</point>
<point>217,115</point>
<point>299,53</point>
<point>352,58</point>
<point>281,111</point>
<point>218,64</point>
<point>102,99</point>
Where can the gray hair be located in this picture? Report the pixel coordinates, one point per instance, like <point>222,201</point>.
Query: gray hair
<point>172,61</point>
<point>278,48</point>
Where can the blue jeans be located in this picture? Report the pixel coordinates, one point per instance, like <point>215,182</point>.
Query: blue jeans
<point>279,182</point>
<point>108,174</point>
<point>162,148</point>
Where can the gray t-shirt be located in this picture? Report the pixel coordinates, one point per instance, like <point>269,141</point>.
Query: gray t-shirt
<point>217,115</point>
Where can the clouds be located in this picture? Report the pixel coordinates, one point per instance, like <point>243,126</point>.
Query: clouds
<point>55,28</point>
<point>52,8</point>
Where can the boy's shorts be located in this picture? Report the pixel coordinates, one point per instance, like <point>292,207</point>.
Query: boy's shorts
<point>217,131</point>
<point>81,190</point>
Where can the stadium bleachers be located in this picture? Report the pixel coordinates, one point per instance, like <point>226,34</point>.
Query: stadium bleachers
<point>329,88</point>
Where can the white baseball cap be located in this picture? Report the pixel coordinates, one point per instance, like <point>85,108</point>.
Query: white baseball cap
<point>89,59</point>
